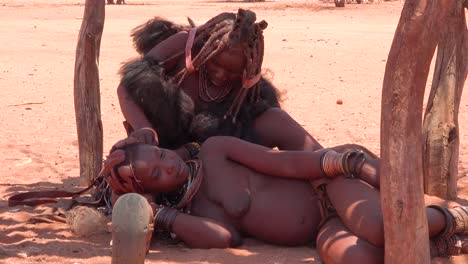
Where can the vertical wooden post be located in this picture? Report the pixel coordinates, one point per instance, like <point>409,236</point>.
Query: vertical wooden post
<point>441,140</point>
<point>86,91</point>
<point>404,83</point>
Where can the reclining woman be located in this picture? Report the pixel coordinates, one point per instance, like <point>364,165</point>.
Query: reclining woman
<point>195,82</point>
<point>237,189</point>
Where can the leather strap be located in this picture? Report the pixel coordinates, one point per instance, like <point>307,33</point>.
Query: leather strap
<point>248,83</point>
<point>325,206</point>
<point>43,197</point>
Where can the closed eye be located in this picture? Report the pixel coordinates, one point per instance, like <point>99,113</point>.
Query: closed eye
<point>156,173</point>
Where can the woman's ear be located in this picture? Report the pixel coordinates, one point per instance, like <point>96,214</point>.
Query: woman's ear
<point>125,172</point>
<point>128,181</point>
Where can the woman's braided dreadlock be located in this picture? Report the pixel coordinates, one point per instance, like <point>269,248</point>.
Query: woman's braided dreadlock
<point>228,30</point>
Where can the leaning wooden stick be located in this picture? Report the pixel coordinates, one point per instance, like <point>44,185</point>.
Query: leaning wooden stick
<point>86,91</point>
<point>441,134</point>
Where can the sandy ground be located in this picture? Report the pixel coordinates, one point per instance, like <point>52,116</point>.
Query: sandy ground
<point>315,52</point>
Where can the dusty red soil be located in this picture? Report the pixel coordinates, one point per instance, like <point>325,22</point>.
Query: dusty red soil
<point>315,52</point>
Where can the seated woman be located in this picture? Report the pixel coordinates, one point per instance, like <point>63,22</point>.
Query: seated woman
<point>237,189</point>
<point>191,83</point>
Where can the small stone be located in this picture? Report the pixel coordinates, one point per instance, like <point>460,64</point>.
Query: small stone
<point>22,254</point>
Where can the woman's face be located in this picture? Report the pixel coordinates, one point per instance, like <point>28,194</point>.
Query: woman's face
<point>225,67</point>
<point>159,170</point>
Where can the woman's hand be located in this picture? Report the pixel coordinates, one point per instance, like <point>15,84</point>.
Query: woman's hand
<point>122,179</point>
<point>145,135</point>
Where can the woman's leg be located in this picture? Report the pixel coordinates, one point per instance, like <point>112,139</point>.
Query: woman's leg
<point>337,244</point>
<point>358,205</point>
<point>348,147</point>
<point>276,128</point>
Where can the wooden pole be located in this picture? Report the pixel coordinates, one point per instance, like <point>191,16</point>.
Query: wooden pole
<point>441,138</point>
<point>86,91</point>
<point>414,43</point>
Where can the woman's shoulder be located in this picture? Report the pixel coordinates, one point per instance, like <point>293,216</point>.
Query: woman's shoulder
<point>167,48</point>
<point>216,144</point>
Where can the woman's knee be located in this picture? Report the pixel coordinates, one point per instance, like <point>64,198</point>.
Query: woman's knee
<point>359,208</point>
<point>348,147</point>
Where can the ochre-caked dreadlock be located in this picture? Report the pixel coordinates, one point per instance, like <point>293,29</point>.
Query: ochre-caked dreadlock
<point>228,30</point>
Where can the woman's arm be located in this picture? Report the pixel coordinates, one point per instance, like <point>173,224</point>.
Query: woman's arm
<point>288,164</point>
<point>130,110</point>
<point>200,232</point>
<point>196,232</point>
<point>304,165</point>
<point>166,49</point>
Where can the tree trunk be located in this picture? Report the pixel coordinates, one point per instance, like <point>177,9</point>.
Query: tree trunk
<point>404,83</point>
<point>441,140</point>
<point>86,91</point>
